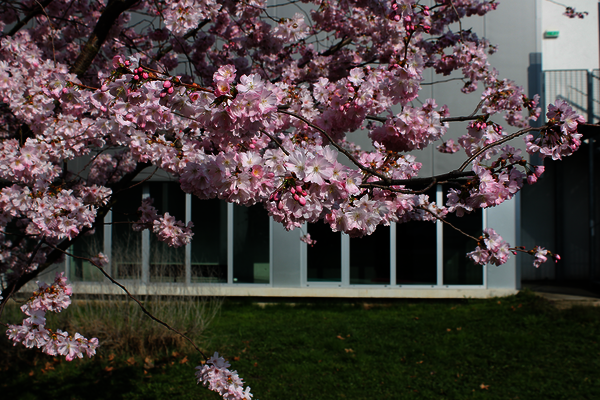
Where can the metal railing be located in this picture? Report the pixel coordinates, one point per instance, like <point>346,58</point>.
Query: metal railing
<point>579,88</point>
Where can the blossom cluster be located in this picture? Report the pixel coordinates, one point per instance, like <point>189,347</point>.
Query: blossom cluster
<point>33,331</point>
<point>491,249</point>
<point>561,138</point>
<point>571,13</point>
<point>412,129</point>
<point>216,375</point>
<point>166,227</point>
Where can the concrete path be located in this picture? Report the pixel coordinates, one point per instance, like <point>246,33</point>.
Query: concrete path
<point>567,295</point>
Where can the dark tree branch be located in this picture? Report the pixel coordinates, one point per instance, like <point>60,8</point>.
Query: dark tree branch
<point>162,52</point>
<point>496,143</point>
<point>38,9</point>
<point>447,119</point>
<point>60,248</point>
<point>112,11</point>
<point>338,147</point>
<point>332,50</point>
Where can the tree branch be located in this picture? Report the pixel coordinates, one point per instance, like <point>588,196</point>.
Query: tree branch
<point>144,310</point>
<point>332,50</point>
<point>496,143</point>
<point>106,21</point>
<point>54,255</point>
<point>162,52</point>
<point>338,147</point>
<point>34,12</point>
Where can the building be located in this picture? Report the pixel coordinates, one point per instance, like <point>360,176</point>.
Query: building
<point>240,251</point>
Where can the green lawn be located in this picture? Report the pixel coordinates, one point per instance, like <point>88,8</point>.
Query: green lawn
<point>510,348</point>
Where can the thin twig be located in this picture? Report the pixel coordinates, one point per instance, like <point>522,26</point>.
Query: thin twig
<point>144,310</point>
<point>447,119</point>
<point>496,143</point>
<point>287,153</point>
<point>142,181</point>
<point>337,146</point>
<point>448,223</point>
<point>35,11</point>
<point>459,22</point>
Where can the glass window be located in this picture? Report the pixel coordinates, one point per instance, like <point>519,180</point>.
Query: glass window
<point>251,260</point>
<point>370,258</point>
<point>167,264</point>
<point>126,249</point>
<point>87,246</point>
<point>209,244</point>
<point>458,269</point>
<point>324,259</point>
<point>416,262</point>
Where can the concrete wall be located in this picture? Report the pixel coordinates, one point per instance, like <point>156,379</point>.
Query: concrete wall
<point>577,44</point>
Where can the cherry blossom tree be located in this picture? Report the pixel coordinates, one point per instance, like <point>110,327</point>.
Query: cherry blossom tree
<point>252,109</point>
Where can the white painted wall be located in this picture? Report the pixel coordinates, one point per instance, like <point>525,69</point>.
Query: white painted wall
<point>577,44</point>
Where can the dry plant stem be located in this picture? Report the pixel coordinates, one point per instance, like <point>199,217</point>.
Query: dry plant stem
<point>449,224</point>
<point>144,310</point>
<point>496,143</point>
<point>338,147</point>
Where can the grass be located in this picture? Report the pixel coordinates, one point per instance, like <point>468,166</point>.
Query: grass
<point>518,347</point>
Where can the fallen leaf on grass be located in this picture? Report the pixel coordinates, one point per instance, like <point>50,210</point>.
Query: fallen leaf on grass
<point>111,357</point>
<point>256,364</point>
<point>459,329</point>
<point>349,350</point>
<point>340,337</point>
<point>31,373</point>
<point>419,362</point>
<point>484,387</point>
<point>183,360</point>
<point>148,363</point>
<point>130,361</point>
<point>236,359</point>
<point>49,366</point>
<point>448,330</point>
<point>108,369</point>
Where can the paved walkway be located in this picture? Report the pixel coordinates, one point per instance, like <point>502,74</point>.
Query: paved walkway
<point>567,295</point>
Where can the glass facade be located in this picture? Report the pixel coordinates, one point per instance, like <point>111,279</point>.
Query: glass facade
<point>324,259</point>
<point>458,269</point>
<point>87,246</point>
<point>209,244</point>
<point>370,258</point>
<point>416,253</point>
<point>251,258</point>
<point>167,264</point>
<point>233,244</point>
<point>126,246</point>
